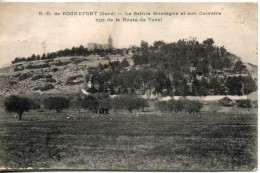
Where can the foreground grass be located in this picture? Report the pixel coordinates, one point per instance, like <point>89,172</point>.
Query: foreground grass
<point>150,141</point>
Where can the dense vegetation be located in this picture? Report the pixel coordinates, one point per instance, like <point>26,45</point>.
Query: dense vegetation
<point>75,51</point>
<point>171,69</point>
<point>182,68</point>
<point>17,104</point>
<point>172,105</point>
<point>57,103</point>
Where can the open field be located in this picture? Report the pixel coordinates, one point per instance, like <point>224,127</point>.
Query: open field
<point>143,141</point>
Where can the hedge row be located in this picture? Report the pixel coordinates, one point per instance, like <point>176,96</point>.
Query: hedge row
<point>102,103</point>
<point>190,106</point>
<point>227,102</point>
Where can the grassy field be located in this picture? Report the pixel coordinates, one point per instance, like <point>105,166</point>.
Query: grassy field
<point>143,141</point>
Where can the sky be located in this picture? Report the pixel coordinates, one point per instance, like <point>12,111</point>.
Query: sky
<point>24,32</point>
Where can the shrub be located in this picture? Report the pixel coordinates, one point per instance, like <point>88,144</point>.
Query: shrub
<point>19,68</point>
<point>57,103</point>
<point>71,80</point>
<point>162,106</point>
<point>59,63</point>
<point>92,90</point>
<point>74,82</point>
<point>48,76</point>
<point>36,77</point>
<point>226,101</point>
<point>37,88</point>
<point>50,80</point>
<point>192,106</point>
<point>254,104</point>
<point>97,103</point>
<point>13,83</point>
<point>55,69</point>
<point>104,106</point>
<point>175,105</point>
<point>90,102</point>
<point>24,76</point>
<point>47,87</point>
<point>35,104</point>
<point>128,102</point>
<point>17,75</point>
<point>142,103</point>
<point>214,107</point>
<point>17,104</point>
<point>244,103</point>
<point>37,66</point>
<point>179,105</point>
<point>77,60</point>
<point>117,103</point>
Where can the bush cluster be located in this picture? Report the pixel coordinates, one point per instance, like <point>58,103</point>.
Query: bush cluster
<point>244,103</point>
<point>70,80</point>
<point>24,76</point>
<point>190,106</point>
<point>45,88</point>
<point>57,103</point>
<point>50,80</point>
<point>60,63</point>
<point>48,76</point>
<point>20,68</point>
<point>102,103</point>
<point>55,69</point>
<point>97,103</point>
<point>129,102</point>
<point>77,60</point>
<point>17,75</point>
<point>227,102</point>
<point>36,77</point>
<point>38,66</point>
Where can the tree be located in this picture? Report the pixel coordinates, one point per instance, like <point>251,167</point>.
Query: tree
<point>227,102</point>
<point>124,63</point>
<point>118,103</point>
<point>17,104</point>
<point>214,106</point>
<point>142,103</point>
<point>57,103</point>
<point>97,103</point>
<point>214,85</point>
<point>104,102</point>
<point>158,45</point>
<point>234,85</point>
<point>33,57</point>
<point>249,85</point>
<point>239,67</point>
<point>129,102</point>
<point>90,102</point>
<point>208,44</point>
<point>162,106</point>
<point>179,106</point>
<point>244,103</point>
<point>192,106</point>
<point>43,57</point>
<point>159,81</point>
<point>196,87</point>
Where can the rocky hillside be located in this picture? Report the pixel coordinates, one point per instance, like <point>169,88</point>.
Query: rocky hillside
<point>64,74</point>
<point>181,68</point>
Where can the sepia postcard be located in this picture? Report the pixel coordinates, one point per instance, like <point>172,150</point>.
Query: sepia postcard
<point>128,86</point>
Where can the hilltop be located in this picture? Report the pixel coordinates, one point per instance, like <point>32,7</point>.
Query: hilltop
<point>171,69</point>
